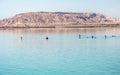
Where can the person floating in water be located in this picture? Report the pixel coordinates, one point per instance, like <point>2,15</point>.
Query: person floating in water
<point>46,38</point>
<point>95,37</point>
<point>105,36</point>
<point>92,37</point>
<point>113,36</point>
<point>79,36</point>
<point>21,37</point>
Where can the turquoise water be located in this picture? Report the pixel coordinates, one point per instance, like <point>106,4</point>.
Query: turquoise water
<point>62,54</point>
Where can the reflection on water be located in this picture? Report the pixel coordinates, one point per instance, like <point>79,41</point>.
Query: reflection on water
<point>65,30</point>
<point>62,54</point>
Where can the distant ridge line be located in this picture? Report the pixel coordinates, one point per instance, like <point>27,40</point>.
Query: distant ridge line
<point>43,19</point>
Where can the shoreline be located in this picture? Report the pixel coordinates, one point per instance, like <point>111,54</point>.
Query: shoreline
<point>67,26</point>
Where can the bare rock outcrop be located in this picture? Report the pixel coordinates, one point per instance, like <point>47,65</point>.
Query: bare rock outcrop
<point>38,19</point>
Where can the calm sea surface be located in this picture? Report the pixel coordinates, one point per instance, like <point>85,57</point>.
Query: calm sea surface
<point>64,53</point>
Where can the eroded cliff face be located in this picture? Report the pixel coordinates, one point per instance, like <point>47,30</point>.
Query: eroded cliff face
<point>38,19</point>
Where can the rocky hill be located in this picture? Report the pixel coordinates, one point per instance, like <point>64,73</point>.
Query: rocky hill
<point>39,19</point>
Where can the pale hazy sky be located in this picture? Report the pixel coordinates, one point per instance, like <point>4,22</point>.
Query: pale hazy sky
<point>11,7</point>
